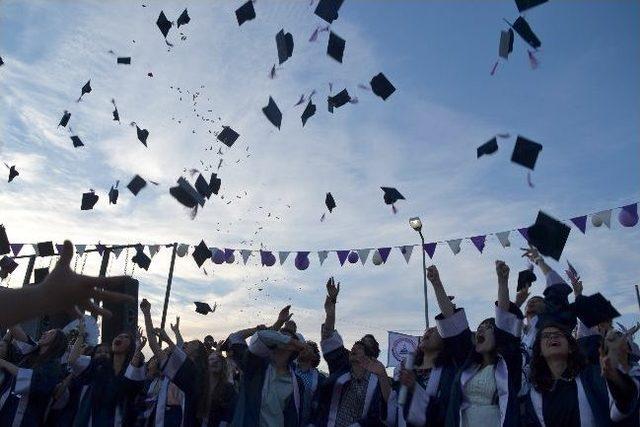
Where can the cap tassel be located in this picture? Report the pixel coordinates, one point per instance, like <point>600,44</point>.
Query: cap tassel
<point>322,217</point>
<point>529,182</point>
<point>493,69</point>
<point>314,35</point>
<point>394,209</point>
<point>533,61</point>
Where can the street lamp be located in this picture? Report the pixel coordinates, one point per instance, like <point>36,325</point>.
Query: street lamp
<point>416,224</point>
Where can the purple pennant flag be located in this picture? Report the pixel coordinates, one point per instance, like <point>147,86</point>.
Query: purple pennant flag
<point>342,256</point>
<point>16,248</point>
<point>100,248</point>
<point>384,253</point>
<point>430,249</point>
<point>580,222</point>
<point>478,242</point>
<point>59,248</point>
<point>524,232</point>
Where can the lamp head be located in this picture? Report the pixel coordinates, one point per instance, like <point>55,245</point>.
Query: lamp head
<point>415,223</point>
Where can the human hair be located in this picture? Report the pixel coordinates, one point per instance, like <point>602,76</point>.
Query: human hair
<point>541,377</point>
<point>316,352</point>
<point>371,350</point>
<point>199,358</point>
<point>55,350</point>
<point>476,358</point>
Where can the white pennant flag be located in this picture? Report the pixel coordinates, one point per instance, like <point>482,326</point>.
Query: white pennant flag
<point>406,252</point>
<point>322,255</point>
<point>116,251</point>
<point>454,245</point>
<point>603,217</point>
<point>80,249</point>
<point>153,249</point>
<point>282,256</point>
<point>245,255</point>
<point>503,236</point>
<point>363,254</point>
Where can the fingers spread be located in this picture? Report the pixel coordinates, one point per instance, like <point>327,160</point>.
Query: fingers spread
<point>110,296</point>
<point>95,309</point>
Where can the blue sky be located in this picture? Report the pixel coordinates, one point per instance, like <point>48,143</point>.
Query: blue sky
<point>581,104</point>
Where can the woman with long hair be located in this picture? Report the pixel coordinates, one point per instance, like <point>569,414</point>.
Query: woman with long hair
<point>29,385</point>
<point>222,395</point>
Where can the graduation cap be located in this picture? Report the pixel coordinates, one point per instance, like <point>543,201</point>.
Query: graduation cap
<point>76,141</point>
<point>548,235</point>
<point>124,60</point>
<point>39,274</point>
<point>141,259</point>
<point>330,202</point>
<point>186,194</point>
<point>525,152</point>
<point>391,195</point>
<point>201,253</point>
<point>136,184</point>
<point>143,134</point>
<point>526,277</point>
<point>273,113</point>
<point>7,266</point>
<point>13,172</point>
<point>113,194</point>
<point>523,5</point>
<point>164,25</point>
<point>381,86</point>
<point>335,47</point>
<point>338,100</point>
<point>45,249</point>
<point>214,184</point>
<point>594,309</point>
<point>245,13</point>
<point>85,89</point>
<point>203,308</point>
<point>521,26</point>
<point>309,111</point>
<point>4,241</point>
<point>228,136</point>
<point>488,147</point>
<point>202,186</point>
<point>506,43</point>
<point>328,9</point>
<point>65,119</point>
<point>284,43</point>
<point>89,200</point>
<point>183,19</point>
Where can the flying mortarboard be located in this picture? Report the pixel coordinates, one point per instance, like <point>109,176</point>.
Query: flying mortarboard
<point>328,9</point>
<point>13,172</point>
<point>136,184</point>
<point>594,309</point>
<point>186,194</point>
<point>124,60</point>
<point>526,277</point>
<point>308,112</point>
<point>85,89</point>
<point>273,113</point>
<point>7,266</point>
<point>548,235</point>
<point>76,141</point>
<point>523,5</point>
<point>335,47</point>
<point>284,43</point>
<point>391,195</point>
<point>4,241</point>
<point>89,200</point>
<point>203,308</point>
<point>214,184</point>
<point>245,13</point>
<point>488,148</point>
<point>113,194</point>
<point>381,86</point>
<point>141,259</point>
<point>142,134</point>
<point>45,249</point>
<point>183,19</point>
<point>338,100</point>
<point>202,186</point>
<point>201,253</point>
<point>164,25</point>
<point>330,202</point>
<point>525,152</point>
<point>65,119</point>
<point>521,26</point>
<point>228,136</point>
<point>506,43</point>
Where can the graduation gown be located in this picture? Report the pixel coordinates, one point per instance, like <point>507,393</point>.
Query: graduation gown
<point>222,414</point>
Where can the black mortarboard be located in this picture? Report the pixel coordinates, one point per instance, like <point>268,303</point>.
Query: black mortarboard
<point>113,194</point>
<point>124,60</point>
<point>524,30</point>
<point>65,119</point>
<point>45,249</point>
<point>201,253</point>
<point>7,266</point>
<point>245,13</point>
<point>76,141</point>
<point>525,278</point>
<point>85,89</point>
<point>164,24</point>
<point>594,309</point>
<point>203,308</point>
<point>330,202</point>
<point>228,136</point>
<point>141,259</point>
<point>338,100</point>
<point>4,241</point>
<point>89,200</point>
<point>143,134</point>
<point>381,86</point>
<point>391,195</point>
<point>13,172</point>
<point>202,186</point>
<point>214,184</point>
<point>328,9</point>
<point>525,152</point>
<point>335,47</point>
<point>183,19</point>
<point>39,274</point>
<point>136,184</point>
<point>1,61</point>
<point>273,113</point>
<point>284,43</point>
<point>185,194</point>
<point>489,147</point>
<point>506,43</point>
<point>548,235</point>
<point>309,111</point>
<point>528,4</point>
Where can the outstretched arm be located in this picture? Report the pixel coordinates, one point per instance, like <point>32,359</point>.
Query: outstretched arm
<point>502,269</point>
<point>330,302</point>
<point>444,303</point>
<point>283,317</point>
<point>145,307</point>
<point>78,345</point>
<point>176,331</point>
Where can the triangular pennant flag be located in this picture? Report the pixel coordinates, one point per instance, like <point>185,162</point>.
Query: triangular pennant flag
<point>245,255</point>
<point>525,233</point>
<point>100,248</point>
<point>59,248</point>
<point>580,222</point>
<point>406,252</point>
<point>182,249</point>
<point>35,249</point>
<point>454,245</point>
<point>322,255</point>
<point>430,249</point>
<point>116,251</point>
<point>503,237</point>
<point>363,254</point>
<point>80,249</point>
<point>282,256</point>
<point>384,254</point>
<point>342,256</point>
<point>602,217</point>
<point>478,241</point>
<point>17,247</point>
<point>153,249</point>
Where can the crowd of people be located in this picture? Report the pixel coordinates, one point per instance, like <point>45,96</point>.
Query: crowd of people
<point>540,367</point>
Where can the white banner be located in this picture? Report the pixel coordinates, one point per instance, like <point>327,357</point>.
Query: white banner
<point>400,345</point>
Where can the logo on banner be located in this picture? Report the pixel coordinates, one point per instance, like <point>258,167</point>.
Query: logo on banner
<point>402,347</point>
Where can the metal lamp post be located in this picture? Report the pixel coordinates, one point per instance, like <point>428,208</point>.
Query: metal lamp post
<point>416,224</point>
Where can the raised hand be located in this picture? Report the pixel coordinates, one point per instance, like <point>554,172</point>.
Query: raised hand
<point>162,335</point>
<point>531,253</point>
<point>502,269</point>
<point>375,367</point>
<point>141,343</point>
<point>333,290</point>
<point>522,295</point>
<point>145,306</point>
<point>433,275</point>
<point>284,315</point>
<point>176,328</point>
<point>408,378</point>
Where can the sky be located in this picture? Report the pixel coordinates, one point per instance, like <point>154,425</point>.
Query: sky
<point>581,104</point>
